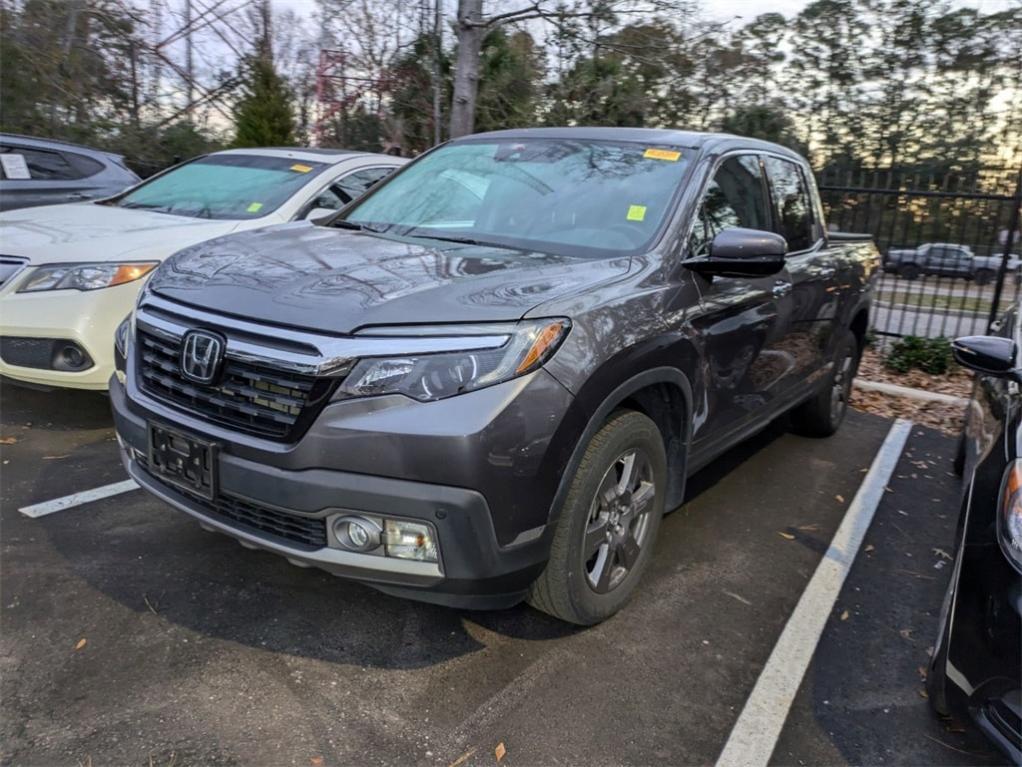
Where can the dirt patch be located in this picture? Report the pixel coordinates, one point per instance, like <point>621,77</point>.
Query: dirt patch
<point>936,415</point>
<point>957,382</point>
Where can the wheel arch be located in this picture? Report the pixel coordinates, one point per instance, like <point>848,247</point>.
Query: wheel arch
<point>662,393</point>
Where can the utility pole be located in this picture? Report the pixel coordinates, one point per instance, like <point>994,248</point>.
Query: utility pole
<point>438,87</point>
<point>189,64</point>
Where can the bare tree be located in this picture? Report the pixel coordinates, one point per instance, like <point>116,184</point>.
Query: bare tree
<point>473,23</point>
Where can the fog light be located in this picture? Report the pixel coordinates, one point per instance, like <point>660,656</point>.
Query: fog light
<point>409,540</point>
<point>357,533</point>
<point>70,356</point>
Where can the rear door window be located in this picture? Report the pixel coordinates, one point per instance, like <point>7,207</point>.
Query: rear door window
<point>44,165</point>
<point>792,206</point>
<point>735,197</point>
<point>354,185</point>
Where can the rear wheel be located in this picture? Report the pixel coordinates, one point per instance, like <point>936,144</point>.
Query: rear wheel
<point>822,415</point>
<point>984,276</point>
<point>936,674</point>
<point>959,461</point>
<point>909,272</point>
<point>605,534</point>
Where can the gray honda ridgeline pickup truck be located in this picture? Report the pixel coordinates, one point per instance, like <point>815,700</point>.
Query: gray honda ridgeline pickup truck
<point>488,378</point>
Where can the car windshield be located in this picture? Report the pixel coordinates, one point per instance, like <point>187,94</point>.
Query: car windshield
<point>228,186</point>
<point>565,196</point>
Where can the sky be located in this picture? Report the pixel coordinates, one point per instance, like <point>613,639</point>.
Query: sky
<point>717,10</point>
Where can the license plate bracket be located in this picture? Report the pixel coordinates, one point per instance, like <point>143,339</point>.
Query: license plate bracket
<point>183,460</point>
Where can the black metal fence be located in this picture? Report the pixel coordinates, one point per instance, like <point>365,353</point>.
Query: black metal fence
<point>949,242</point>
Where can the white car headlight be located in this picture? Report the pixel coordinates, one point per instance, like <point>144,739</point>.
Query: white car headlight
<point>84,276</point>
<point>428,377</point>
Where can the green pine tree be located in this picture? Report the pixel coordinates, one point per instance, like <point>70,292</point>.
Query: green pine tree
<point>264,115</point>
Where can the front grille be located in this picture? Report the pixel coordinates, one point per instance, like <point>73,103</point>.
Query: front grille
<point>301,532</point>
<point>248,397</point>
<point>27,352</point>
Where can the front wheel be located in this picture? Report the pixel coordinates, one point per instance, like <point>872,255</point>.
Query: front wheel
<point>984,277</point>
<point>821,415</point>
<point>606,530</point>
<point>909,272</point>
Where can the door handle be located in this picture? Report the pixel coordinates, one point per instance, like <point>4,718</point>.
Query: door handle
<point>781,288</point>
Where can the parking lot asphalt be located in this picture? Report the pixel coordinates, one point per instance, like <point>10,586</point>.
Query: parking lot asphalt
<point>130,636</point>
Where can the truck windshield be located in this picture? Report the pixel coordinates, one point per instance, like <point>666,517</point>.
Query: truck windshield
<point>567,197</point>
<point>228,186</point>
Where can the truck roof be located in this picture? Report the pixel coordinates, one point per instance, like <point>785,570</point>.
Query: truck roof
<point>653,136</point>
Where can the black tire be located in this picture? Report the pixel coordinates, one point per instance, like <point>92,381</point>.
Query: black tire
<point>936,672</point>
<point>595,538</point>
<point>909,272</point>
<point>959,461</point>
<point>821,415</point>
<point>984,277</point>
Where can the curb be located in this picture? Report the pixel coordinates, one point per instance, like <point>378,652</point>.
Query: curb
<point>908,392</point>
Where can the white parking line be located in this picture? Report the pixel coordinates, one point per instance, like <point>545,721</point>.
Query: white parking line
<point>755,734</point>
<point>77,499</point>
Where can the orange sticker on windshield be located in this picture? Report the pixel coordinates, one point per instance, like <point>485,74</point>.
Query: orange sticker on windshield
<point>301,168</point>
<point>669,155</point>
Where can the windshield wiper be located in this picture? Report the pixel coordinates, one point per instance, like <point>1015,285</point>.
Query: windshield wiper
<point>142,206</point>
<point>459,240</point>
<point>343,223</point>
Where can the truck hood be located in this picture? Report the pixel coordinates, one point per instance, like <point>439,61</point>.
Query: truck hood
<point>335,281</point>
<point>86,231</point>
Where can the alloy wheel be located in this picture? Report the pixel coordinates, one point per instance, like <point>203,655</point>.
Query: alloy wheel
<point>618,522</point>
<point>841,388</point>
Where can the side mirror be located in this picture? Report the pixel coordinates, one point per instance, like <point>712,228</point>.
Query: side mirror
<point>319,214</point>
<point>989,355</point>
<point>742,253</point>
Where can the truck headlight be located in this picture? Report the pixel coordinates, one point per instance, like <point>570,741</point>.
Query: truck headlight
<point>1009,520</point>
<point>429,377</point>
<point>84,276</point>
<point>123,335</point>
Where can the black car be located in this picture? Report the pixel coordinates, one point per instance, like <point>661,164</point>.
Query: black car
<point>975,671</point>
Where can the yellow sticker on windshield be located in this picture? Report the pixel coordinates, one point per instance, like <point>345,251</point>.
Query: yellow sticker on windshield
<point>255,207</point>
<point>669,155</point>
<point>301,168</point>
<point>636,213</point>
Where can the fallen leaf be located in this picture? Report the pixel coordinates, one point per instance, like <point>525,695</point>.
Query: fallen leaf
<point>844,615</point>
<point>55,457</point>
<point>922,694</point>
<point>81,643</point>
<point>941,553</point>
<point>922,673</point>
<point>840,498</point>
<point>499,751</point>
<point>316,761</point>
<point>906,634</point>
<point>8,440</point>
<point>463,758</point>
<point>870,547</point>
<point>787,536</point>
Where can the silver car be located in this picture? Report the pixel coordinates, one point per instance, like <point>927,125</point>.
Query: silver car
<point>46,172</point>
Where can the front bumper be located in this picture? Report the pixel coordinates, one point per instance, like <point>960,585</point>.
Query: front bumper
<point>87,317</point>
<point>475,570</point>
